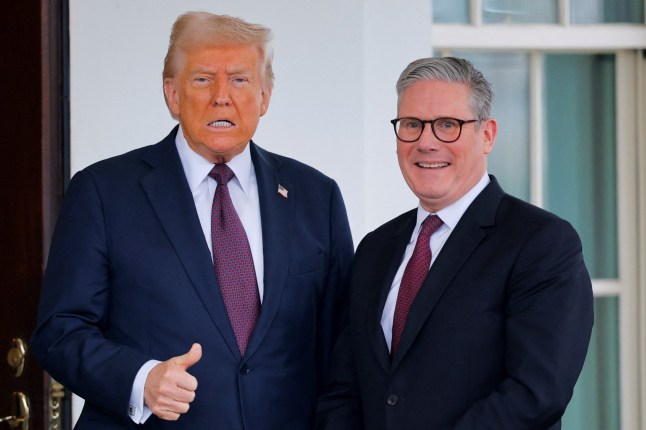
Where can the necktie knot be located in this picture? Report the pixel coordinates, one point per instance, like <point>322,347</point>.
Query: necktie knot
<point>221,173</point>
<point>429,226</point>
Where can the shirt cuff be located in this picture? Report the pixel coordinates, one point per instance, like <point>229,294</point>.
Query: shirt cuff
<point>137,410</point>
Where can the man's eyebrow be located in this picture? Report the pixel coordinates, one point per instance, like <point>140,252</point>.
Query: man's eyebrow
<point>237,70</point>
<point>203,70</point>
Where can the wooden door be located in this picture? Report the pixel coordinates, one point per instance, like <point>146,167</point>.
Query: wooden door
<point>32,128</point>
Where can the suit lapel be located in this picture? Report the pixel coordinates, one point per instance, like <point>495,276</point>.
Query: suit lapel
<point>277,213</point>
<point>385,272</point>
<point>466,237</point>
<point>170,196</point>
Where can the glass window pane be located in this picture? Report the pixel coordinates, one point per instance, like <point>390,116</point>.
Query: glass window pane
<point>519,11</point>
<point>580,173</point>
<point>509,76</point>
<point>607,11</point>
<point>451,11</point>
<point>595,404</point>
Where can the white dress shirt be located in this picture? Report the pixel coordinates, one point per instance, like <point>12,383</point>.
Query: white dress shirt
<point>243,189</point>
<point>450,215</point>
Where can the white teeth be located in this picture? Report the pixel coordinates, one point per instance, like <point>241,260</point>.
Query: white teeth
<point>432,165</point>
<point>221,123</point>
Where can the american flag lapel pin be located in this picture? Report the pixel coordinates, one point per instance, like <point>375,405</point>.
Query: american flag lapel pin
<point>282,191</point>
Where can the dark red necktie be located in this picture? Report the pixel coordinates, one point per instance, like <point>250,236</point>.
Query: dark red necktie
<point>233,261</point>
<point>413,278</point>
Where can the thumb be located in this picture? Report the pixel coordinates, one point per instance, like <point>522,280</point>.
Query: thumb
<point>190,358</point>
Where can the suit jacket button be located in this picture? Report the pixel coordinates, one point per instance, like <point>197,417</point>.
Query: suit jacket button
<point>392,400</point>
<point>244,370</point>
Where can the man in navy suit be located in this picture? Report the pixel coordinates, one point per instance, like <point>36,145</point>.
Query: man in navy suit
<point>133,314</point>
<point>472,311</point>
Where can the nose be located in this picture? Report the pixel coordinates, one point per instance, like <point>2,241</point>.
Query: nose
<point>427,141</point>
<point>220,94</point>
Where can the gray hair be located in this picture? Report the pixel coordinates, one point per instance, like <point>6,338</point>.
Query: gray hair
<point>206,29</point>
<point>450,69</point>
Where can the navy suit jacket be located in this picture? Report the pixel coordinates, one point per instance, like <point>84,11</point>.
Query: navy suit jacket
<point>130,278</point>
<point>495,339</point>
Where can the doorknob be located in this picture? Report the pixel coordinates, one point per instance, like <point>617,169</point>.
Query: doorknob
<point>19,418</point>
<point>16,356</point>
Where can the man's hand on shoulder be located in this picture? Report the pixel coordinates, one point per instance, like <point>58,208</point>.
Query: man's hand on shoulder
<point>170,388</point>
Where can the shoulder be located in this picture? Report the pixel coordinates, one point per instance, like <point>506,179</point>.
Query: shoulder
<point>396,224</point>
<point>136,162</point>
<point>289,168</point>
<point>515,211</point>
<point>119,162</point>
<point>533,232</point>
<point>401,224</point>
<point>494,207</point>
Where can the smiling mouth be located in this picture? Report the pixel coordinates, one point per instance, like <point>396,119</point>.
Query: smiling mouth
<point>432,165</point>
<point>221,123</point>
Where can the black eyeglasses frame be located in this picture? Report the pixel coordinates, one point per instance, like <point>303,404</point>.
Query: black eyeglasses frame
<point>432,122</point>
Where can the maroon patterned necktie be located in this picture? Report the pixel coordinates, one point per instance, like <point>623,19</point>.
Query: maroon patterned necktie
<point>233,261</point>
<point>413,278</point>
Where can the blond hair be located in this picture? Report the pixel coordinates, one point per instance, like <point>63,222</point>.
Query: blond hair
<point>193,29</point>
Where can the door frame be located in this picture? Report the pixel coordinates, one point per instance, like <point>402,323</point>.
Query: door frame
<point>55,144</point>
<point>34,119</point>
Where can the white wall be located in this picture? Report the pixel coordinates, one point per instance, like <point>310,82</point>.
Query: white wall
<point>336,64</point>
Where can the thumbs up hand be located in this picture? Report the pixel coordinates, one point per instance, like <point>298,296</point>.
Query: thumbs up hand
<point>169,388</point>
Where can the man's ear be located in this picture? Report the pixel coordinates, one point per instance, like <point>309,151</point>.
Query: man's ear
<point>490,129</point>
<point>171,94</point>
<point>264,104</point>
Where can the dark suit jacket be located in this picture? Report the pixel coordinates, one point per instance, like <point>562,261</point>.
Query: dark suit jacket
<point>130,278</point>
<point>495,339</point>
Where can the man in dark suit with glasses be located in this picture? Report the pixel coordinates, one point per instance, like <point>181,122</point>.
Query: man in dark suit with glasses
<point>472,311</point>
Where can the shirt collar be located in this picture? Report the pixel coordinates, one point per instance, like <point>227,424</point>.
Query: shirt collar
<point>451,214</point>
<point>197,168</point>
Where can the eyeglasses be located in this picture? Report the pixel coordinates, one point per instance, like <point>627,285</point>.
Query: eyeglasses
<point>446,130</point>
